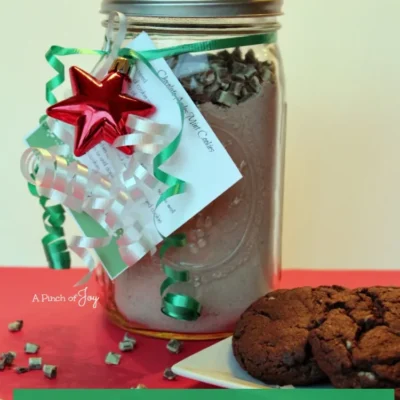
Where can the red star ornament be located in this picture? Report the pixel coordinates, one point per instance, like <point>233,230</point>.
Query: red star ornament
<point>98,109</point>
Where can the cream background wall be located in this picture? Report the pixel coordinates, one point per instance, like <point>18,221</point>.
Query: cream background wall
<point>343,78</point>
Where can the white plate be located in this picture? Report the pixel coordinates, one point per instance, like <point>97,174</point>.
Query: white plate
<point>217,366</point>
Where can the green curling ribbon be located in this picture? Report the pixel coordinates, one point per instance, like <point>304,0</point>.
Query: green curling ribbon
<point>174,305</point>
<point>209,45</point>
<point>54,245</point>
<point>51,57</point>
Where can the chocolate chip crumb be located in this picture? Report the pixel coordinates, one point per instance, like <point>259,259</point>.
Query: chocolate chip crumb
<point>169,375</point>
<point>113,358</point>
<point>15,326</point>
<point>8,358</point>
<point>21,370</point>
<point>174,346</point>
<point>31,348</point>
<point>35,363</point>
<point>50,371</point>
<point>126,346</point>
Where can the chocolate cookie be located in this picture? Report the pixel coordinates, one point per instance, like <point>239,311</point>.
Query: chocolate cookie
<point>358,343</point>
<point>271,338</point>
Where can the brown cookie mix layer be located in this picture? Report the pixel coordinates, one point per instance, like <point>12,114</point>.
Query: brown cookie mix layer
<point>357,345</point>
<point>271,338</point>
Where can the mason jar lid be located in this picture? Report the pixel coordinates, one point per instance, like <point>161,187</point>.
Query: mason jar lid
<point>193,8</point>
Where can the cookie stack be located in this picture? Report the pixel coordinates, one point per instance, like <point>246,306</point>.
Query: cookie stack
<point>307,335</point>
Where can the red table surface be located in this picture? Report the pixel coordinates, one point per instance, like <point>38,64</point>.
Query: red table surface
<point>76,339</point>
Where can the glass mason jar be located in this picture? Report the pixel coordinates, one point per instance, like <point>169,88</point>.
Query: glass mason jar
<point>234,244</point>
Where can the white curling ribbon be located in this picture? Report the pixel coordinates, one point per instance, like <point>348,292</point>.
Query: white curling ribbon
<point>146,135</point>
<point>130,177</point>
<point>136,171</point>
<point>132,174</point>
<point>62,131</point>
<point>133,252</point>
<point>62,150</point>
<point>114,40</point>
<point>79,246</point>
<point>133,238</point>
<point>131,234</point>
<point>148,179</point>
<point>82,190</point>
